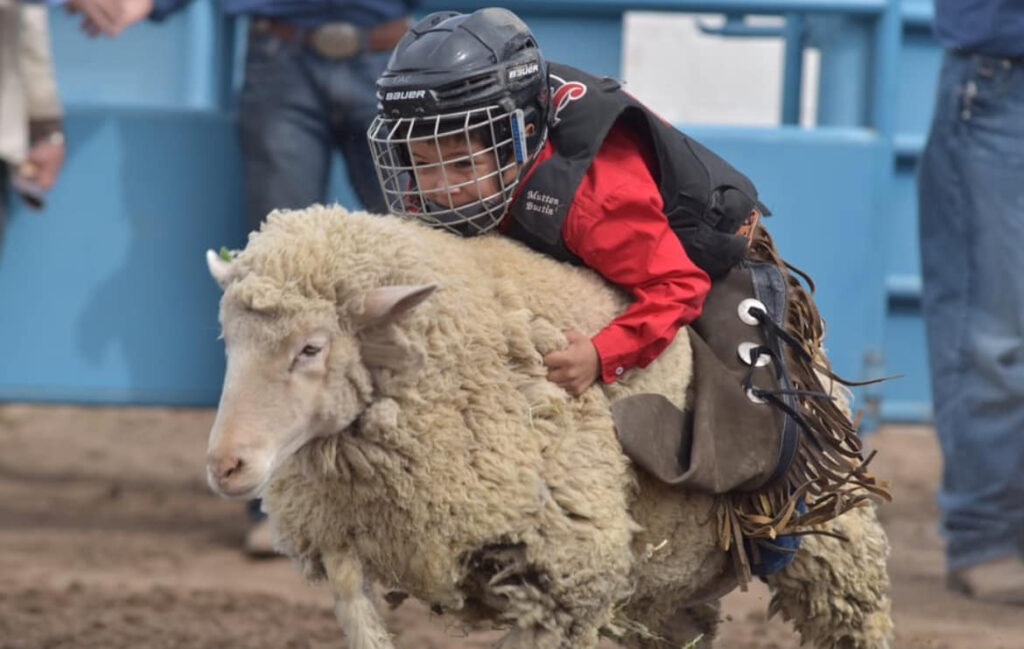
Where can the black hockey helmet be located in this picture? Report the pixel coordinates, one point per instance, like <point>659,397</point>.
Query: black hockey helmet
<point>479,78</point>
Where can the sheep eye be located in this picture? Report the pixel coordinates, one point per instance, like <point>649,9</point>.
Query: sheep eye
<point>310,350</point>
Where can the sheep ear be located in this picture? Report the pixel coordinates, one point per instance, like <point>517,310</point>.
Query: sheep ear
<point>220,269</point>
<point>384,304</point>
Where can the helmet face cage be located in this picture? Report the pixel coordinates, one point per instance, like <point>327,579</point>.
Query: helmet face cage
<point>456,171</point>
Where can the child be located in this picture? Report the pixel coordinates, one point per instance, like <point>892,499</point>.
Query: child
<point>471,137</point>
<point>476,131</point>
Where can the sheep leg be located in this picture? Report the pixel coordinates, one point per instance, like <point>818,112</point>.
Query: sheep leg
<point>692,627</point>
<point>356,613</point>
<point>533,637</point>
<point>837,592</point>
<point>540,622</point>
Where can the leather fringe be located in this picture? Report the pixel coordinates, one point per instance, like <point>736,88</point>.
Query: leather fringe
<point>829,472</point>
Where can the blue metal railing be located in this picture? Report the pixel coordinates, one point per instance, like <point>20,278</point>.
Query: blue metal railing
<point>151,153</point>
<point>586,8</point>
<point>881,17</point>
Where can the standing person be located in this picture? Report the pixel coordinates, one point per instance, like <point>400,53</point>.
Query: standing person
<point>971,197</point>
<point>310,70</point>
<point>31,135</point>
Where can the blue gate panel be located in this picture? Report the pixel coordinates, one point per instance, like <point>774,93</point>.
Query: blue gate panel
<point>164,65</point>
<point>105,295</point>
<point>598,49</point>
<point>906,399</point>
<point>903,257</point>
<point>918,74</point>
<point>123,310</point>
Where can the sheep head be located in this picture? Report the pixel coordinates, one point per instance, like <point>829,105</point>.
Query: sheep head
<point>294,370</point>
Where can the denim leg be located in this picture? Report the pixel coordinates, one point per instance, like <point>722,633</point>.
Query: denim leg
<point>285,132</point>
<point>971,197</point>
<point>351,87</point>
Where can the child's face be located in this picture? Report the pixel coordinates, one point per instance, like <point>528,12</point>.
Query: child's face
<point>454,172</point>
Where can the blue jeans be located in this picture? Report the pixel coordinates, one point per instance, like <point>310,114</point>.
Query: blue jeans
<point>971,197</point>
<point>296,108</point>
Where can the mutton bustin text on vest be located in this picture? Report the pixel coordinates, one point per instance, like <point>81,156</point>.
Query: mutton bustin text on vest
<point>541,203</point>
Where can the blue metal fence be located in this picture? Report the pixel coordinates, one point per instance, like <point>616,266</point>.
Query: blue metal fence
<point>104,298</point>
<point>918,67</point>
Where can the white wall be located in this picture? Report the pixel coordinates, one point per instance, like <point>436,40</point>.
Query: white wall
<point>690,77</point>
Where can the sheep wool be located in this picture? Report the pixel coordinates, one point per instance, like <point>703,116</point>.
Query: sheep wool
<point>463,477</point>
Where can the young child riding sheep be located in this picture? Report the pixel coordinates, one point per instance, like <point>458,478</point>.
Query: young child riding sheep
<point>477,132</point>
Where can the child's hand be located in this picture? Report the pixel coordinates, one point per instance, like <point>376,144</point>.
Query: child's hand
<point>576,367</point>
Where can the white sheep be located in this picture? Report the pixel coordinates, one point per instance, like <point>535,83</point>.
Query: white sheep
<point>385,395</point>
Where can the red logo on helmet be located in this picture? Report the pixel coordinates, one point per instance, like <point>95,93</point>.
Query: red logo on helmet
<point>567,93</point>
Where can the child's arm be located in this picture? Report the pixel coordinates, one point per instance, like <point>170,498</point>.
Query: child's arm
<point>626,238</point>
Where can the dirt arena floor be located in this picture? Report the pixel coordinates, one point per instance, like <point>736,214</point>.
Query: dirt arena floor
<point>109,539</point>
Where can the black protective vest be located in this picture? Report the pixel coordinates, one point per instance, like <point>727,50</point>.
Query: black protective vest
<point>705,198</point>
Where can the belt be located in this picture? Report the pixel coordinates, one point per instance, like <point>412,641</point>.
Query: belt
<point>1005,61</point>
<point>335,40</point>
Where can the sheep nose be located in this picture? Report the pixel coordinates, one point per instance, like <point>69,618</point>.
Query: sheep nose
<point>223,468</point>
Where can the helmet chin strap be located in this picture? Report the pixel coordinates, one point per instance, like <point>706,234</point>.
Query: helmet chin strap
<point>542,139</point>
<point>468,221</point>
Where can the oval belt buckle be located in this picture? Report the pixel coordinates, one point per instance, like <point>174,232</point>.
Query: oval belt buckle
<point>336,40</point>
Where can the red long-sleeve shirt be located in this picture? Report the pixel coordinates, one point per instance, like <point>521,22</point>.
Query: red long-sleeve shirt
<point>616,226</point>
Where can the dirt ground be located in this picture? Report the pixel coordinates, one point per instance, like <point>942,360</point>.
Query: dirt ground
<point>109,539</point>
